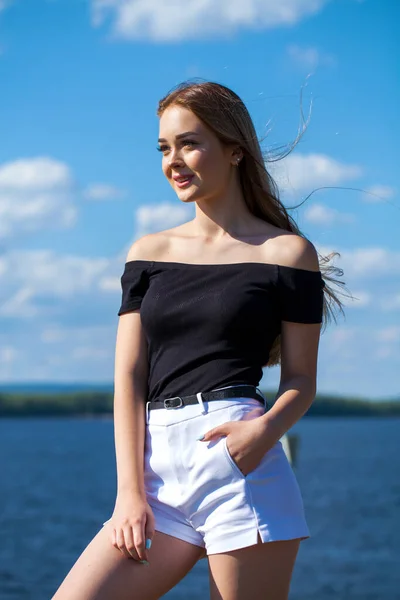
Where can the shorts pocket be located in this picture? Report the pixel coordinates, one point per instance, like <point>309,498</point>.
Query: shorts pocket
<point>259,469</point>
<point>247,409</point>
<point>230,460</point>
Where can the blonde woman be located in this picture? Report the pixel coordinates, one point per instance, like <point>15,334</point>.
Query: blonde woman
<point>205,305</point>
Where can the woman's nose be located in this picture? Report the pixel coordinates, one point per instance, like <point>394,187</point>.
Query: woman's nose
<point>174,158</point>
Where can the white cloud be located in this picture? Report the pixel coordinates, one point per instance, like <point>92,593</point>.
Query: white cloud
<point>346,368</point>
<point>35,194</point>
<point>38,193</point>
<point>71,352</point>
<point>111,283</point>
<point>365,263</point>
<point>34,174</point>
<point>372,261</point>
<point>103,191</point>
<point>152,218</point>
<point>323,215</point>
<point>28,277</point>
<point>380,193</point>
<point>19,304</point>
<point>310,57</point>
<point>305,172</point>
<point>30,282</point>
<point>162,21</point>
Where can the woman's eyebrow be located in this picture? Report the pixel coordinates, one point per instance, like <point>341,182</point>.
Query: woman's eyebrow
<point>179,136</point>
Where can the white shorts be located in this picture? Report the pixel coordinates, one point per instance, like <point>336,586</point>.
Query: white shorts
<point>198,493</point>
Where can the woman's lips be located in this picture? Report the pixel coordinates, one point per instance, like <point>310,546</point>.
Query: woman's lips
<point>184,183</point>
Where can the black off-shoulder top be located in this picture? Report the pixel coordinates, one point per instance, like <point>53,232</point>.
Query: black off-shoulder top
<point>213,325</point>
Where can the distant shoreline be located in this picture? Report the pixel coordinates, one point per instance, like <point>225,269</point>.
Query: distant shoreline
<point>90,404</point>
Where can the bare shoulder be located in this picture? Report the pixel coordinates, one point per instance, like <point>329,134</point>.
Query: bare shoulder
<point>147,247</point>
<point>155,246</point>
<point>293,250</point>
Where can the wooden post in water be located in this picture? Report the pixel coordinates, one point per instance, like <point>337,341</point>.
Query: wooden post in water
<point>290,444</point>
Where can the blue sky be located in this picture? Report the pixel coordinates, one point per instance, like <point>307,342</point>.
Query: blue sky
<point>80,177</point>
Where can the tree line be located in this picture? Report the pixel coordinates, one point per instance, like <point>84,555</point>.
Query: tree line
<point>93,403</point>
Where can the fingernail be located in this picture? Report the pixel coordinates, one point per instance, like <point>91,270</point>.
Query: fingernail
<point>148,544</point>
<point>200,438</point>
<point>144,562</point>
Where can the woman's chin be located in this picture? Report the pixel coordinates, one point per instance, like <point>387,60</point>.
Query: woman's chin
<point>186,195</point>
<point>187,200</point>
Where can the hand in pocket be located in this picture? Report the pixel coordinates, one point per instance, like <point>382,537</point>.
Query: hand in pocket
<point>246,441</point>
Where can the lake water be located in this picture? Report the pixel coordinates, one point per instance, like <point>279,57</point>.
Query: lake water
<point>58,482</point>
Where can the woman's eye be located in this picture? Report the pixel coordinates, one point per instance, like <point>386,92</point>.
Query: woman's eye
<point>184,143</point>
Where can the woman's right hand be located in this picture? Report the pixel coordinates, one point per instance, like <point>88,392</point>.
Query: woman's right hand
<point>131,524</point>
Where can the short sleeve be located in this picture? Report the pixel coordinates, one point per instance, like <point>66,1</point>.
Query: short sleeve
<point>301,295</point>
<point>134,284</point>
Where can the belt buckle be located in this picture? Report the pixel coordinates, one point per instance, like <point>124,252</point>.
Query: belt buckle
<point>173,404</point>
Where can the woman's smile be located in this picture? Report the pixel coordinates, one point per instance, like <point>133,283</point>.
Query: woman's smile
<point>182,183</point>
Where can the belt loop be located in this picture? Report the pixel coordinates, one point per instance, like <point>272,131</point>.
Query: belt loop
<point>147,411</point>
<point>200,401</point>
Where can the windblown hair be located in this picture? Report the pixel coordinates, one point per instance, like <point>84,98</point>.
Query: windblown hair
<point>223,111</point>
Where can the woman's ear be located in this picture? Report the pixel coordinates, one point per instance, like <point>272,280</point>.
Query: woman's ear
<point>236,156</point>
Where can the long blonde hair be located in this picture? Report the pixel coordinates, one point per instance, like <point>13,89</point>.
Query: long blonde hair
<point>223,111</point>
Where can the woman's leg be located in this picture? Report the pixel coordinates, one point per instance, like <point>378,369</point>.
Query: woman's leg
<point>102,572</point>
<point>259,572</point>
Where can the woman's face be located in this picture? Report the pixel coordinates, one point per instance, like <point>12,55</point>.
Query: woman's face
<point>190,149</point>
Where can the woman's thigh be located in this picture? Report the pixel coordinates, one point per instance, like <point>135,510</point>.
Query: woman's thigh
<point>103,572</point>
<point>260,572</point>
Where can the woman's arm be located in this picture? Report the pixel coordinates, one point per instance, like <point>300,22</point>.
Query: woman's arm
<point>299,355</point>
<point>132,523</point>
<point>131,389</point>
<point>130,394</point>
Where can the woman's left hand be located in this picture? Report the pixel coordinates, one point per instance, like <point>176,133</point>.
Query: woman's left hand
<point>247,442</point>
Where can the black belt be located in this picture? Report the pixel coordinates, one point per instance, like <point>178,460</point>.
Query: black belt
<point>239,391</point>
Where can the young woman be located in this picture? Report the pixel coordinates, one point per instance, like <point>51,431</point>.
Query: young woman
<point>204,307</point>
